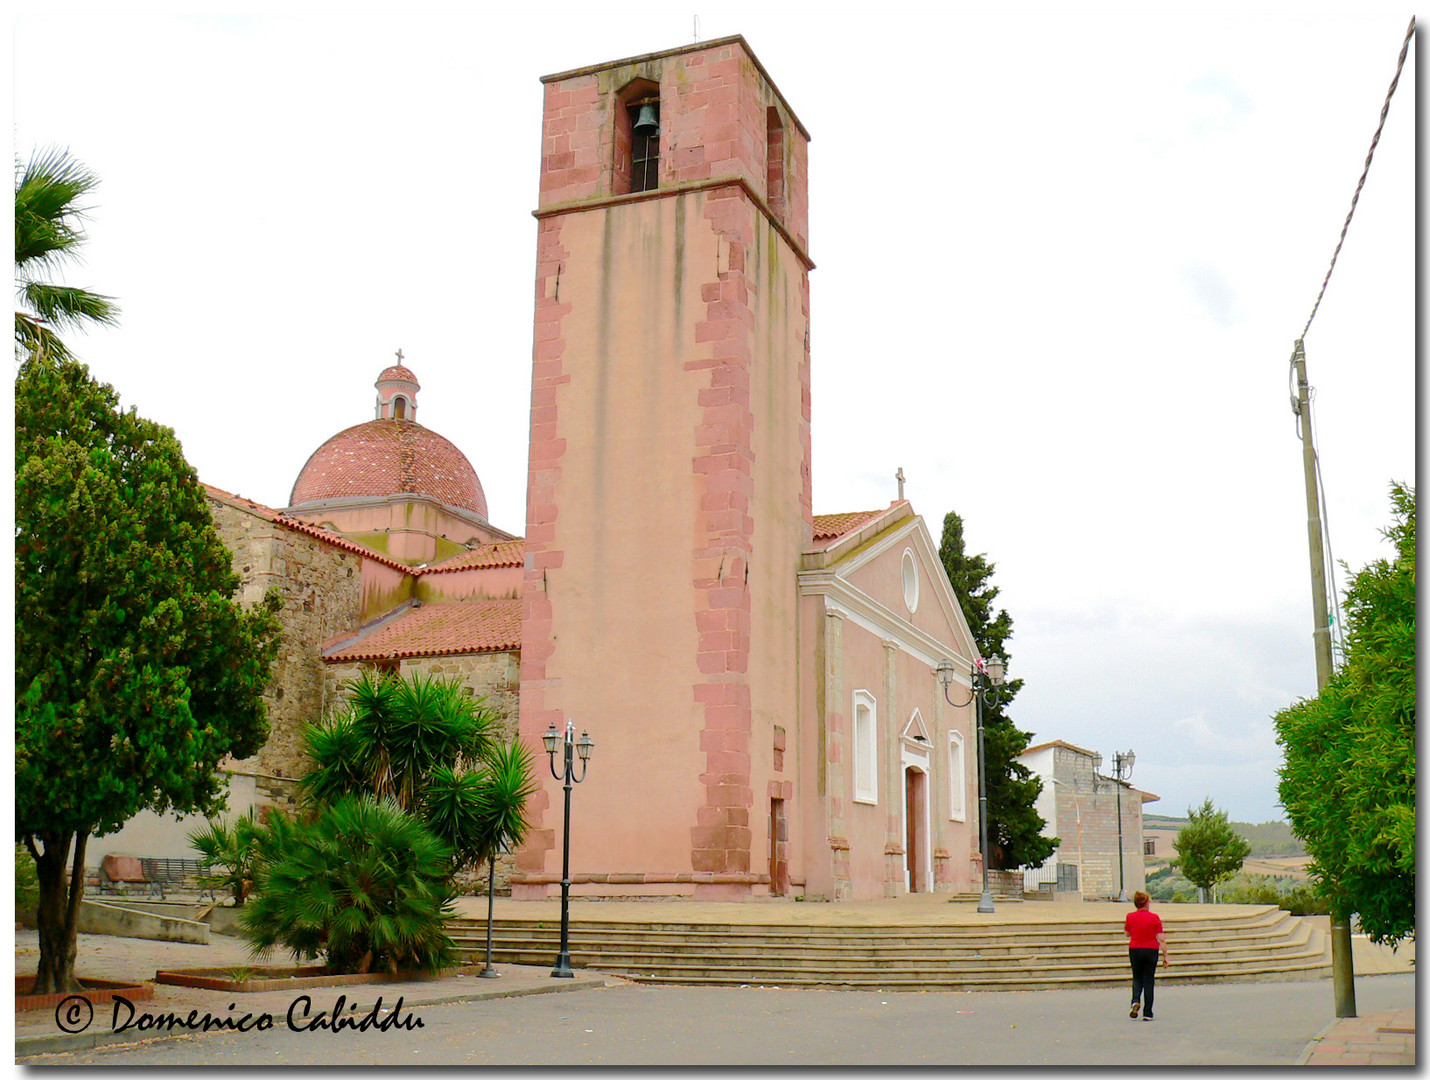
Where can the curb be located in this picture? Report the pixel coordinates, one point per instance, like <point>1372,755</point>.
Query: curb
<point>1315,1042</point>
<point>32,1045</point>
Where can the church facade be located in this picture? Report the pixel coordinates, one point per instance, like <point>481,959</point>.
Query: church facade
<point>758,679</point>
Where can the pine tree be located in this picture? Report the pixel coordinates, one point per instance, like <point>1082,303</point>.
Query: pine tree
<point>1015,830</point>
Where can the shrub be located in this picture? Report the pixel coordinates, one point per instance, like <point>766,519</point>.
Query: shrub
<point>27,885</point>
<point>1303,900</point>
<point>232,850</point>
<point>364,886</point>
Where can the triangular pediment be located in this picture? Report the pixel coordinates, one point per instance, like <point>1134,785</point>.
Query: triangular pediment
<point>916,730</point>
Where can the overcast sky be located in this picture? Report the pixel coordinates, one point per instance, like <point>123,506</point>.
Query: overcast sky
<point>1061,263</point>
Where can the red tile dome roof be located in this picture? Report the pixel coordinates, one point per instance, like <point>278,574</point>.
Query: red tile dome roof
<point>398,372</point>
<point>390,457</point>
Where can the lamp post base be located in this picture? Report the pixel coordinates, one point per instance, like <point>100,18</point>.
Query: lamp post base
<point>563,973</point>
<point>489,973</point>
<point>1122,896</point>
<point>985,903</point>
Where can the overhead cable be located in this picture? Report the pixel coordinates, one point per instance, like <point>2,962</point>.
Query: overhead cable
<point>1385,109</point>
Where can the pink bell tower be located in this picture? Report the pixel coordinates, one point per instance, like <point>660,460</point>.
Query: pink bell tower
<point>669,493</point>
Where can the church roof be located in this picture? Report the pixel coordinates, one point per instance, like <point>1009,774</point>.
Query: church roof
<point>440,629</point>
<point>832,526</point>
<point>315,531</point>
<point>390,457</point>
<point>503,553</point>
<point>398,372</point>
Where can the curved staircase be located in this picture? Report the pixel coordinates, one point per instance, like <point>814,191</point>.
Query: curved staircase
<point>1246,944</point>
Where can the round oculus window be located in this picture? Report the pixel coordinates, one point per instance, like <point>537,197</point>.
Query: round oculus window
<point>911,581</point>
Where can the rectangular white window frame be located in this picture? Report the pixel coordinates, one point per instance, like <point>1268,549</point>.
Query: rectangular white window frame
<point>957,779</point>
<point>866,747</point>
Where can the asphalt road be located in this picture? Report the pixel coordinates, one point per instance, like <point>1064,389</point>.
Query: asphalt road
<point>1209,1025</point>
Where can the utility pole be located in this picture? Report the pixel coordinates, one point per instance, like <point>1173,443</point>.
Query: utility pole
<point>1342,968</point>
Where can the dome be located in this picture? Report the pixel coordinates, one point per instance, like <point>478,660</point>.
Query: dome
<point>382,458</point>
<point>398,373</point>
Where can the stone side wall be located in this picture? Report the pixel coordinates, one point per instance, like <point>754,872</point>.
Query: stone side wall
<point>321,587</point>
<point>495,676</point>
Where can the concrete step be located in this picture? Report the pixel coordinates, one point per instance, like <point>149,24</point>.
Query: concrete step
<point>1041,941</point>
<point>875,977</point>
<point>1267,917</point>
<point>1248,944</point>
<point>914,950</point>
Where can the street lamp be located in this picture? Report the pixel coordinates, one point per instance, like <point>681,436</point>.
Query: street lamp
<point>986,691</point>
<point>1122,762</point>
<point>572,747</point>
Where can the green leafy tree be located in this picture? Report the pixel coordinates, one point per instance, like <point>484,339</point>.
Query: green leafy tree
<point>49,233</point>
<point>1015,830</point>
<point>1348,781</point>
<point>364,885</point>
<point>135,670</point>
<point>1208,848</point>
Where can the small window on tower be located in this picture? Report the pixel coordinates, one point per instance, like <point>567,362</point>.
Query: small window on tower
<point>645,144</point>
<point>399,409</point>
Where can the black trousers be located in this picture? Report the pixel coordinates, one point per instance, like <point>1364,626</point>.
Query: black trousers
<point>1144,972</point>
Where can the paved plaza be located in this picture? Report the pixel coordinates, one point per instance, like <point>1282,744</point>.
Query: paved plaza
<point>528,1018</point>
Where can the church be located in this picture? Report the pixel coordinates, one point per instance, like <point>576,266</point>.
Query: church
<point>758,680</point>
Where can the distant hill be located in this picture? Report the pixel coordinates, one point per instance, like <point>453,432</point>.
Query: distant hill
<point>1269,840</point>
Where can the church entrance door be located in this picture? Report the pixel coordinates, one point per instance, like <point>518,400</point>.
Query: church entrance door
<point>915,840</point>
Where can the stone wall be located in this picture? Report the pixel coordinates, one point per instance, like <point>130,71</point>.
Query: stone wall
<point>321,587</point>
<point>493,675</point>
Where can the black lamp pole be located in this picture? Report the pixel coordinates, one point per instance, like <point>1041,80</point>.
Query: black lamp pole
<point>1122,769</point>
<point>490,972</point>
<point>987,689</point>
<point>572,748</point>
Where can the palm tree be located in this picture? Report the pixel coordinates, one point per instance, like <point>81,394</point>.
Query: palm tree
<point>364,886</point>
<point>433,749</point>
<point>47,233</point>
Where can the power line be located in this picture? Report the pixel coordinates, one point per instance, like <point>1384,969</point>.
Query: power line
<point>1385,109</point>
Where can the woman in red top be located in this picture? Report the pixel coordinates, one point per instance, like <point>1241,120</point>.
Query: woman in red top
<point>1144,939</point>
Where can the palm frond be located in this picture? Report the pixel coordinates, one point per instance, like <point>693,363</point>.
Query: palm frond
<point>64,306</point>
<point>48,233</point>
<point>509,782</point>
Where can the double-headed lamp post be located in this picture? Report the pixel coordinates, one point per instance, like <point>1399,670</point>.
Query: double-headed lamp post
<point>987,691</point>
<point>1122,762</point>
<point>572,749</point>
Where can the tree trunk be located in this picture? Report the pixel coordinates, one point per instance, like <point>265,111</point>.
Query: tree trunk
<point>58,913</point>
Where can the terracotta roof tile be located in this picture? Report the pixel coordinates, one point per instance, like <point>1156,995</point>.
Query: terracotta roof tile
<point>829,526</point>
<point>440,630</point>
<point>390,457</point>
<point>504,553</point>
<point>280,518</point>
<point>399,372</point>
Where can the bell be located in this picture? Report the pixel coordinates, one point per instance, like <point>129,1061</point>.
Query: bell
<point>647,123</point>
